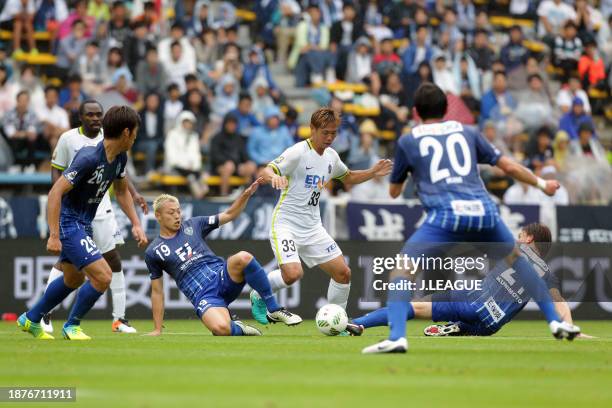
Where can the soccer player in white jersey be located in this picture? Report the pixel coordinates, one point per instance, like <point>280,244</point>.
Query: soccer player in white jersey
<point>302,172</point>
<point>106,233</point>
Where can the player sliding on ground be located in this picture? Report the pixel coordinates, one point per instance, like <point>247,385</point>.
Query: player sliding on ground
<point>209,282</point>
<point>302,172</point>
<point>106,234</point>
<point>503,291</point>
<point>442,156</point>
<point>71,208</point>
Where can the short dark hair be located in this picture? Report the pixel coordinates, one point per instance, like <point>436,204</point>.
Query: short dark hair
<point>430,101</point>
<point>191,77</point>
<point>172,87</point>
<point>74,78</point>
<point>245,96</point>
<point>77,21</point>
<point>541,235</point>
<point>22,92</point>
<point>117,119</point>
<point>174,44</point>
<point>177,25</point>
<point>50,88</point>
<point>87,102</point>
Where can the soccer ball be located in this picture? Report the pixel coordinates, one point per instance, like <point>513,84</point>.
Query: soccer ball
<point>331,320</point>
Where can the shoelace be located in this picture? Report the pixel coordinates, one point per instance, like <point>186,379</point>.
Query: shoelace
<point>286,312</point>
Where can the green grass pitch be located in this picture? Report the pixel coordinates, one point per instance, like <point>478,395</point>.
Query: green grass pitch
<point>522,366</point>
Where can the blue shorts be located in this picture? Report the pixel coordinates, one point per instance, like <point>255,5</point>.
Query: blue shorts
<point>78,246</point>
<point>219,293</point>
<point>454,306</point>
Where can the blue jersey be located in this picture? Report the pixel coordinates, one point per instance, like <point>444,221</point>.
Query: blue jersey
<point>186,257</point>
<point>503,294</point>
<point>91,175</point>
<point>443,159</point>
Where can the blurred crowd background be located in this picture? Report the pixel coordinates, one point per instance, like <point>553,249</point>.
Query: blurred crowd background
<point>223,87</point>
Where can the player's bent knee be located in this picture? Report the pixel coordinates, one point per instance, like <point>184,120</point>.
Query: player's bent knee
<point>221,329</point>
<point>292,274</point>
<point>244,257</point>
<point>343,276</point>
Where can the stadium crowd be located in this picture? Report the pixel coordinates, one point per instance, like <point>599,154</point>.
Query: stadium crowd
<point>533,75</point>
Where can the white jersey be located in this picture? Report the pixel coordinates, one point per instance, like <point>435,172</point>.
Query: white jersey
<point>69,143</point>
<point>307,172</point>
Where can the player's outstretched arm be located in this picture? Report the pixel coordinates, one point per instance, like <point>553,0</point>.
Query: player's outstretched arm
<point>268,176</point>
<point>138,199</point>
<point>54,202</point>
<point>157,306</point>
<point>238,206</point>
<point>521,173</point>
<point>380,169</point>
<point>124,198</point>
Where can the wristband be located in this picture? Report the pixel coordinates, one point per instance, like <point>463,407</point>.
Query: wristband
<point>541,183</point>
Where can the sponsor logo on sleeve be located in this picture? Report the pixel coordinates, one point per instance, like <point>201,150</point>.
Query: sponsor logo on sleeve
<point>70,176</point>
<point>211,220</point>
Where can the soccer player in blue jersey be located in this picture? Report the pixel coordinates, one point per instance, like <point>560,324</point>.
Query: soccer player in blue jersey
<point>442,157</point>
<point>484,312</point>
<point>209,282</point>
<point>71,207</point>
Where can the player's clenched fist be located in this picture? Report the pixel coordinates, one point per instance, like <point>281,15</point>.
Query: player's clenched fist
<point>382,167</point>
<point>54,245</point>
<point>279,182</point>
<point>139,236</point>
<point>551,187</point>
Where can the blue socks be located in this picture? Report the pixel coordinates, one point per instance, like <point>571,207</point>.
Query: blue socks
<point>236,330</point>
<point>380,317</point>
<point>398,307</point>
<point>86,298</point>
<point>53,296</point>
<point>536,287</point>
<point>257,278</point>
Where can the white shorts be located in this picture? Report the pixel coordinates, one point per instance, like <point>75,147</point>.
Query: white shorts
<point>106,233</point>
<point>314,246</point>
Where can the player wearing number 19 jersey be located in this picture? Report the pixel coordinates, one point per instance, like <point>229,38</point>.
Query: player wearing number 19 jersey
<point>442,157</point>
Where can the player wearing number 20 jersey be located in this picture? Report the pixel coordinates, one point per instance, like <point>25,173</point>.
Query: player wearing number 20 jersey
<point>296,230</point>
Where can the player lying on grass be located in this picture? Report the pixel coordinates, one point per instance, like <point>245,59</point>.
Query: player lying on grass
<point>209,282</point>
<point>484,312</point>
<point>71,208</point>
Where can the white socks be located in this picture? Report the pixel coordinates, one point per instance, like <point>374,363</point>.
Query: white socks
<point>276,280</point>
<point>117,287</point>
<point>53,275</point>
<point>338,293</point>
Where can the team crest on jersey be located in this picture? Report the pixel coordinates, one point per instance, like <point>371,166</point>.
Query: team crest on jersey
<point>279,159</point>
<point>189,231</point>
<point>70,176</point>
<point>329,168</point>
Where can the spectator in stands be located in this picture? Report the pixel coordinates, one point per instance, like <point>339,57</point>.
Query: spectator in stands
<point>119,25</point>
<point>173,106</point>
<point>443,46</point>
<point>522,194</point>
<point>195,102</point>
<point>182,153</point>
<point>99,10</point>
<point>177,33</point>
<point>151,133</point>
<point>373,20</point>
<point>359,61</point>
<point>222,16</point>
<point>264,25</point>
<point>604,39</point>
<point>29,81</point>
<point>53,119</point>
<point>291,122</point>
<point>245,116</point>
<point>498,103</point>
<point>571,121</point>
<point>7,90</point>
<point>331,11</point>
<point>49,15</point>
<point>587,146</point>
<point>21,127</point>
<point>310,55</point>
<point>535,107</point>
<point>443,76</point>
<point>18,16</point>
<point>393,101</point>
<point>71,96</point>
<point>588,20</point>
<point>285,28</point>
<point>567,50</point>
<point>270,140</point>
<point>553,14</point>
<point>136,45</point>
<point>561,150</point>
<point>423,74</point>
<point>262,99</point>
<point>114,63</point>
<point>514,54</point>
<point>401,17</point>
<point>449,26</point>
<point>591,67</point>
<point>226,97</point>
<point>229,64</point>
<point>123,83</point>
<point>347,130</point>
<point>257,67</point>
<point>419,51</point>
<point>91,68</point>
<point>467,78</point>
<point>207,51</point>
<point>79,13</point>
<point>466,17</point>
<point>150,17</point>
<point>573,89</point>
<point>5,62</point>
<point>228,154</point>
<point>179,65</point>
<point>482,54</point>
<point>71,47</point>
<point>386,60</point>
<point>150,74</point>
<point>364,148</point>
<point>343,34</point>
<point>540,152</point>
